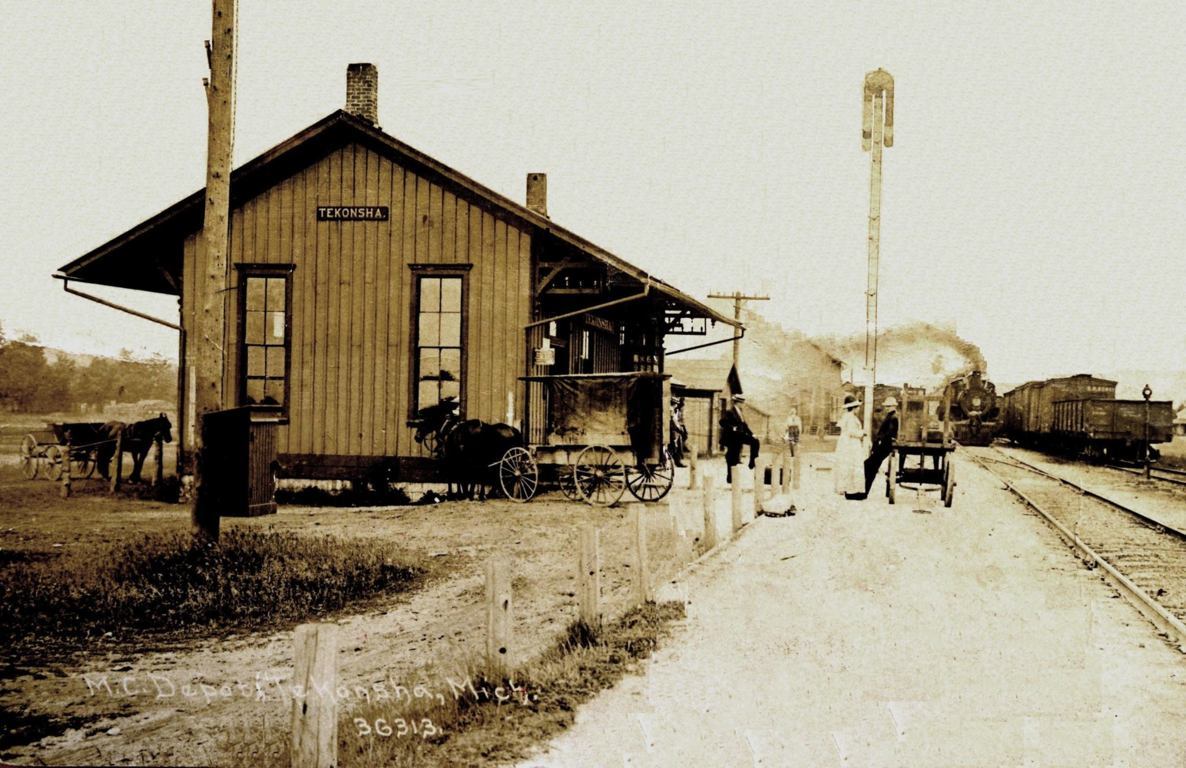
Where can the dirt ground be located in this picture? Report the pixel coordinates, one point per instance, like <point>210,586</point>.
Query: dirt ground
<point>859,633</point>
<point>181,705</point>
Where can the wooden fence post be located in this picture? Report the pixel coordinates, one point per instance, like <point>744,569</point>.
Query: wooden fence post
<point>735,488</point>
<point>590,577</point>
<point>315,715</point>
<point>759,485</point>
<point>160,462</point>
<point>796,473</point>
<point>498,616</point>
<point>65,491</point>
<point>642,570</point>
<point>788,465</point>
<point>692,467</point>
<point>117,473</point>
<point>710,514</point>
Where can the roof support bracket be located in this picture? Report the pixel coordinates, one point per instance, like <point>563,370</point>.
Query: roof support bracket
<point>633,297</point>
<point>66,286</point>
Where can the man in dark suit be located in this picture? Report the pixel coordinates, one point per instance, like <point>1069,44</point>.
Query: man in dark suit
<point>735,433</point>
<point>883,444</point>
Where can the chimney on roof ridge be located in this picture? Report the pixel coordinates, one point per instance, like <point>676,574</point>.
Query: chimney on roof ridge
<point>362,92</point>
<point>537,193</point>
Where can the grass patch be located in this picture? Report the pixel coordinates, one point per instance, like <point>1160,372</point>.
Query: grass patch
<point>474,718</point>
<point>162,582</point>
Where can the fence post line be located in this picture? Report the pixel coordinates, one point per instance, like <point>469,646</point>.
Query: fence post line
<point>160,462</point>
<point>642,570</point>
<point>315,715</point>
<point>710,516</point>
<point>590,577</point>
<point>735,489</point>
<point>117,473</point>
<point>65,490</point>
<point>498,615</point>
<point>692,467</point>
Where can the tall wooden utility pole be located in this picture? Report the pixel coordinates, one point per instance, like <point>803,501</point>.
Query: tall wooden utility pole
<point>211,281</point>
<point>878,132</point>
<point>737,298</point>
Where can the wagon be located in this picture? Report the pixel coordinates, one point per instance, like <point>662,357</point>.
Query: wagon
<point>595,436</point>
<point>924,437</point>
<point>44,451</point>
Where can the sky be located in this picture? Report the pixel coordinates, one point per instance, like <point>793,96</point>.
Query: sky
<point>1033,198</point>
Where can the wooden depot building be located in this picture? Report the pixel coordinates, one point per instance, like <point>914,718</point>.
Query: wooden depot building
<point>368,280</point>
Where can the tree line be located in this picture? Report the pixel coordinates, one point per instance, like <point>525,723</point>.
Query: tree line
<point>31,383</point>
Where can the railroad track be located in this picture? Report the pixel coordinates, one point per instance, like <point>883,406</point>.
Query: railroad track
<point>1156,472</point>
<point>1144,558</point>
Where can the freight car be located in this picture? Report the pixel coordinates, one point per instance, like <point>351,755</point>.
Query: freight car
<point>1080,415</point>
<point>975,409</point>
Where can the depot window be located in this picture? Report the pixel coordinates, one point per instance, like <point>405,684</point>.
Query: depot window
<point>440,337</point>
<point>265,312</point>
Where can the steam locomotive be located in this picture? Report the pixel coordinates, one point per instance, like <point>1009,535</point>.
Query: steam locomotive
<point>1081,415</point>
<point>975,414</point>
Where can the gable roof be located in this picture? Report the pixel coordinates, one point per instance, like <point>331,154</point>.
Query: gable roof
<point>148,256</point>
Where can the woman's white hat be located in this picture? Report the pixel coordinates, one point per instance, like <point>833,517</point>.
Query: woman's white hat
<point>851,402</point>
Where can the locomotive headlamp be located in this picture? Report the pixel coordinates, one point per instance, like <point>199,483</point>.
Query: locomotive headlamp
<point>1147,392</point>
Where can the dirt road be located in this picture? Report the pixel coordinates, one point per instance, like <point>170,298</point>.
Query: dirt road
<point>862,634</point>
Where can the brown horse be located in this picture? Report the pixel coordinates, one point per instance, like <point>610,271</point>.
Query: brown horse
<point>138,437</point>
<point>469,449</point>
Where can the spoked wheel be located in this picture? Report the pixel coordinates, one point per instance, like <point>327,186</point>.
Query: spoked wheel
<point>431,443</point>
<point>518,474</point>
<point>600,475</point>
<point>948,484</point>
<point>54,456</point>
<point>891,479</point>
<point>566,478</point>
<point>650,482</point>
<point>29,459</point>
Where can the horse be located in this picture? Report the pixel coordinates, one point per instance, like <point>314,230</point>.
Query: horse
<point>138,437</point>
<point>469,449</point>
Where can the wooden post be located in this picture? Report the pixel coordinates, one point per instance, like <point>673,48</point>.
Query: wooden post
<point>692,468</point>
<point>788,466</point>
<point>710,514</point>
<point>117,472</point>
<point>589,577</point>
<point>65,491</point>
<point>212,280</point>
<point>796,473</point>
<point>642,570</point>
<point>315,714</point>
<point>498,616</point>
<point>160,463</point>
<point>735,487</point>
<point>759,485</point>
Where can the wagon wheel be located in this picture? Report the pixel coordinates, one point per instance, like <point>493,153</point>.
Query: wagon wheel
<point>431,443</point>
<point>566,478</point>
<point>948,484</point>
<point>82,462</point>
<point>30,461</point>
<point>518,474</point>
<point>650,482</point>
<point>600,475</point>
<point>53,462</point>
<point>891,478</point>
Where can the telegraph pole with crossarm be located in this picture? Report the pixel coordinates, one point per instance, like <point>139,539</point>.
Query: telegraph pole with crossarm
<point>737,298</point>
<point>877,132</point>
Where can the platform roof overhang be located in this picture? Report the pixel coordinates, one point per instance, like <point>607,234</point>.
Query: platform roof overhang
<point>148,257</point>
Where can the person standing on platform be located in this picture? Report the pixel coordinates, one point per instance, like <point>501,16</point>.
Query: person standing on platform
<point>883,444</point>
<point>794,430</point>
<point>848,466</point>
<point>735,433</point>
<point>679,432</point>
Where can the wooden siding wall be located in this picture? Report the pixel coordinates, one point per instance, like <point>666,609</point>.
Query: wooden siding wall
<point>350,385</point>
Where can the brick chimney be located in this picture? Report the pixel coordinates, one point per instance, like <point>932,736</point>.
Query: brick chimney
<point>537,193</point>
<point>362,92</point>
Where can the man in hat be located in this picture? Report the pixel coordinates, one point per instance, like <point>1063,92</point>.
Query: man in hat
<point>883,444</point>
<point>679,432</point>
<point>735,434</point>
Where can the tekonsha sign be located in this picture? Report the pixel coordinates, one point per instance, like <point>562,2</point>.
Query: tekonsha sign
<point>352,213</point>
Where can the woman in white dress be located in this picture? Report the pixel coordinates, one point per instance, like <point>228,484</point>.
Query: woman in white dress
<point>848,469</point>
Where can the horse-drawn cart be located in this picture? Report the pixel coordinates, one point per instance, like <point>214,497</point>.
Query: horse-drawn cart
<point>44,451</point>
<point>924,436</point>
<point>598,435</point>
